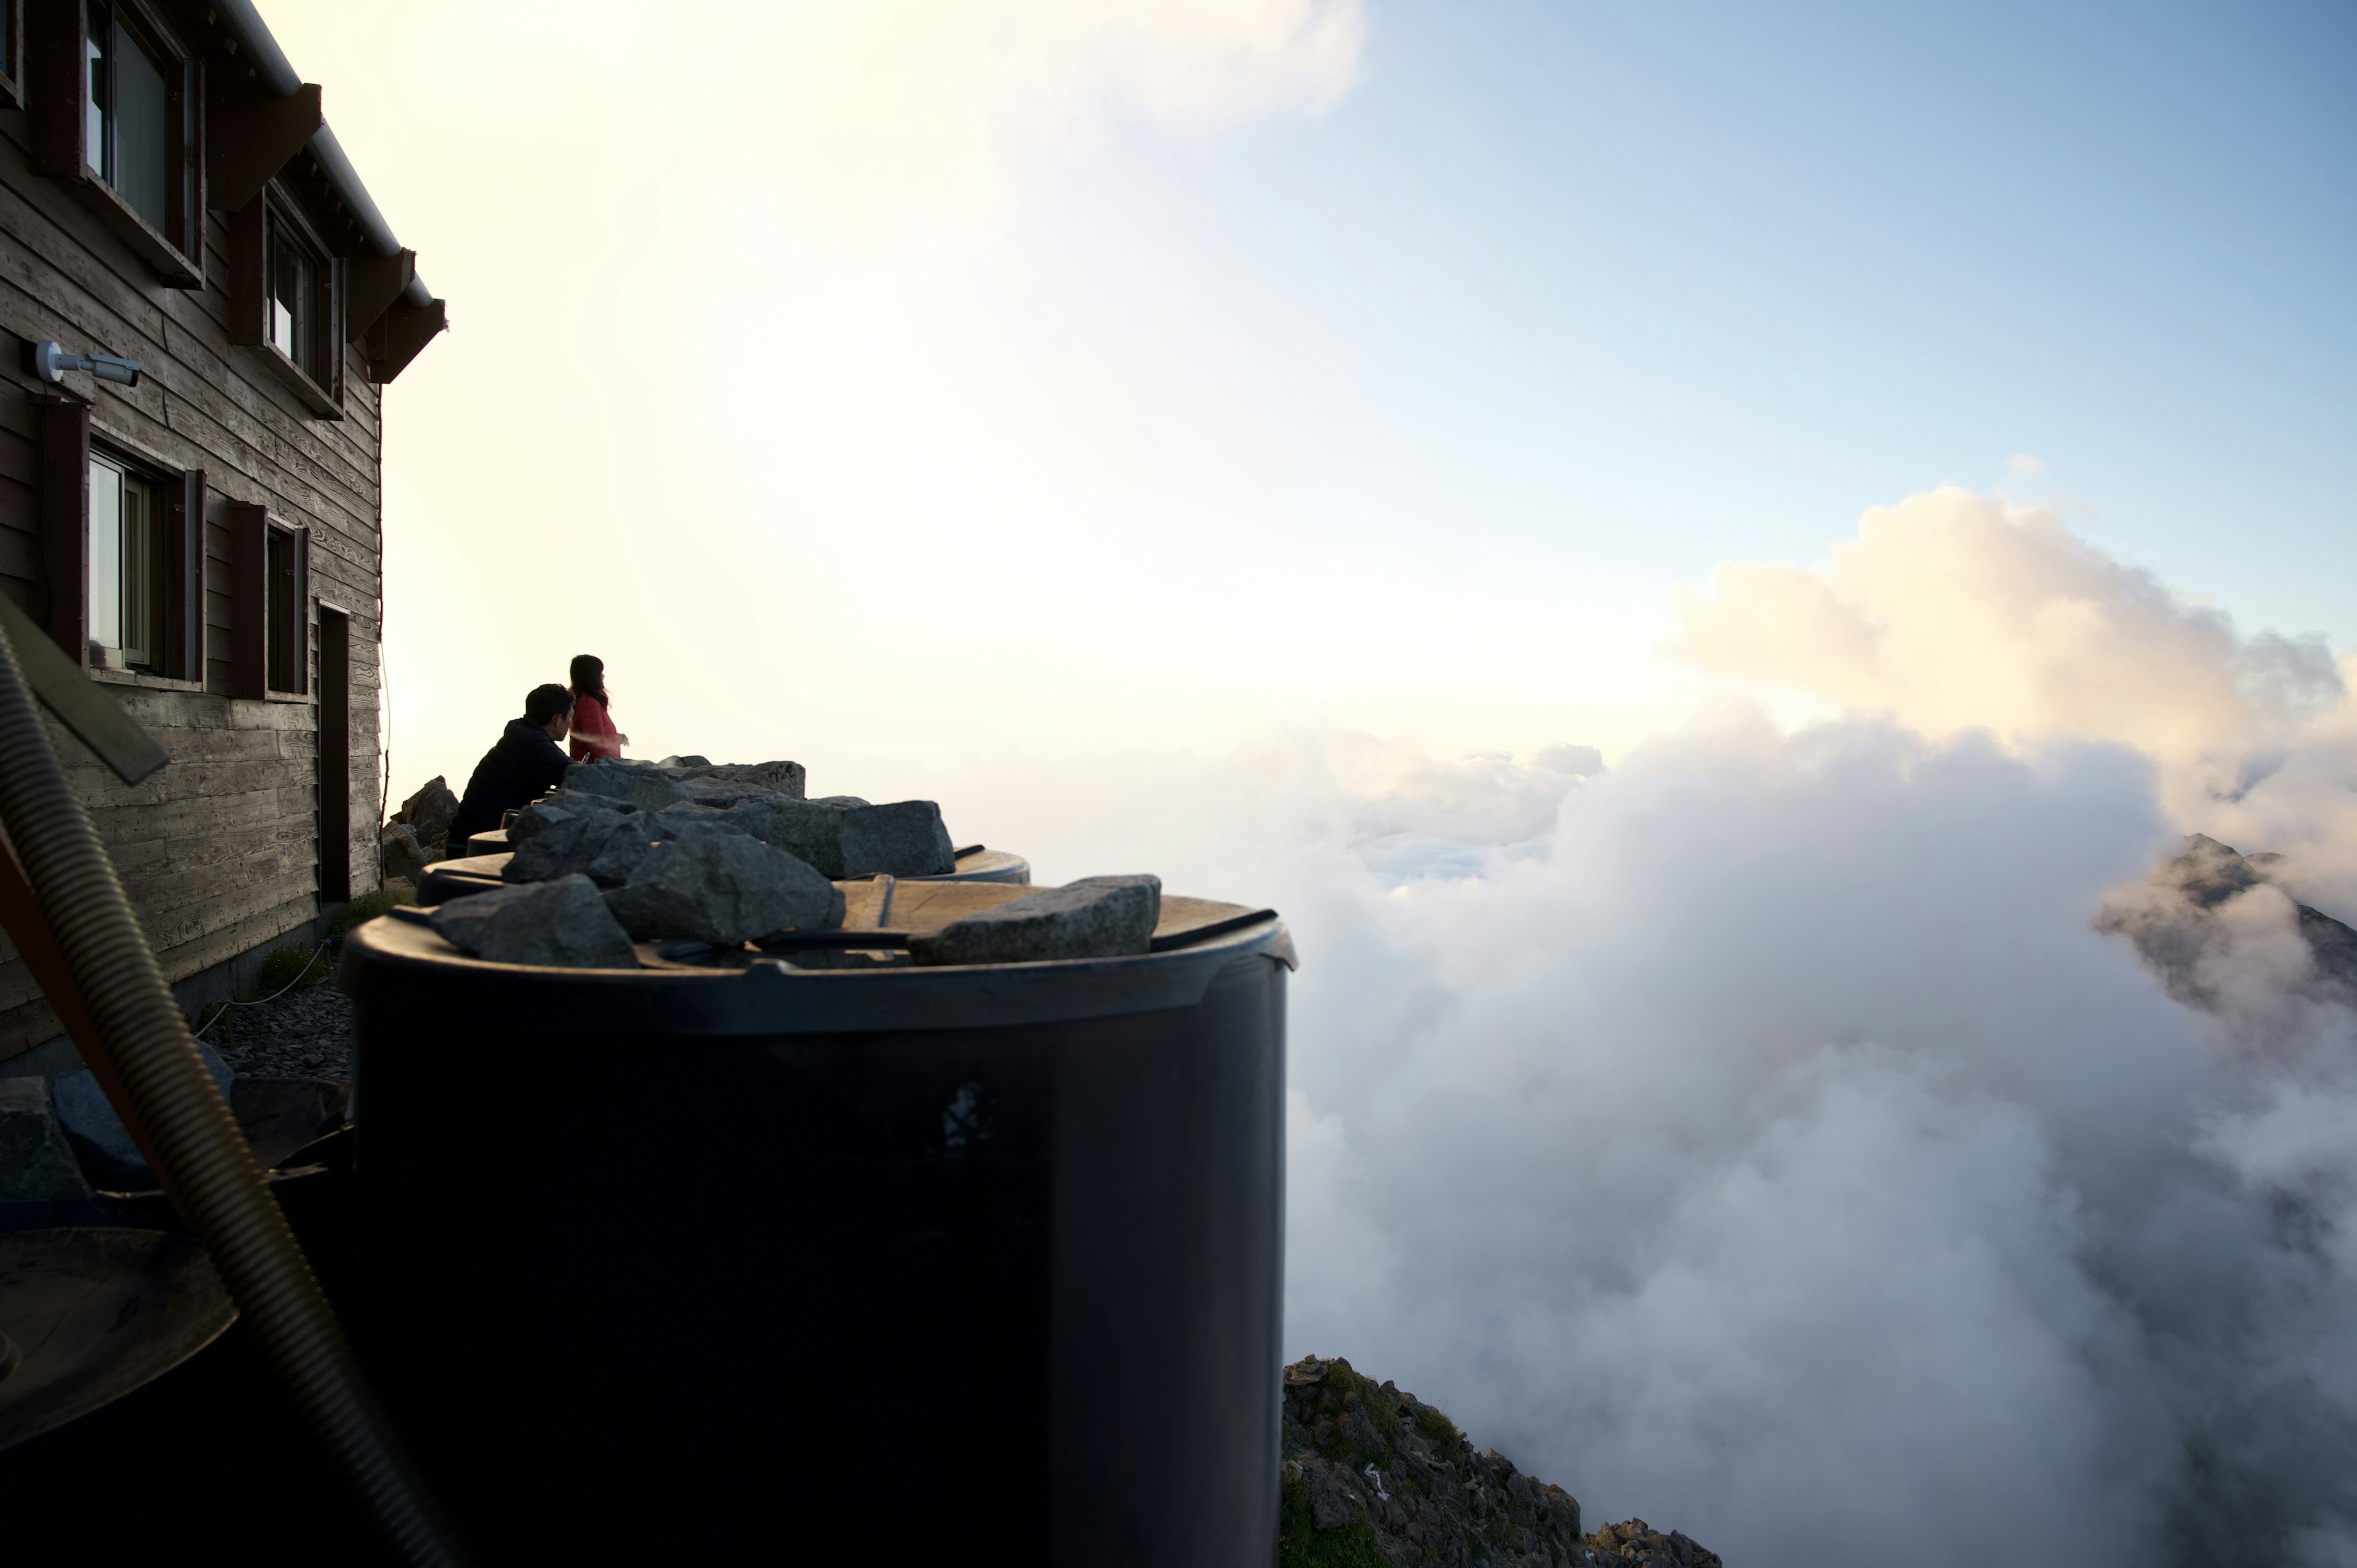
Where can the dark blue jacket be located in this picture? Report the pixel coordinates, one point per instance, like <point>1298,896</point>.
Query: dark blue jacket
<point>524,766</point>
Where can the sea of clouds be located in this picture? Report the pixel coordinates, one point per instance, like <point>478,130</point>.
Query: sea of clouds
<point>1759,1134</point>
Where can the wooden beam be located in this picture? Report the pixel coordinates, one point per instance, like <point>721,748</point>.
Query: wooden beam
<point>371,284</point>
<point>253,138</point>
<point>400,334</point>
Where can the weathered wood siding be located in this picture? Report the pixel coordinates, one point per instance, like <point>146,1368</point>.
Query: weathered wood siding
<point>218,849</point>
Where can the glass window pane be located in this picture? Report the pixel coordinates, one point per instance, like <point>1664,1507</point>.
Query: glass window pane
<point>140,565</point>
<point>281,645</point>
<point>293,307</point>
<point>142,169</point>
<point>98,21</point>
<point>105,555</point>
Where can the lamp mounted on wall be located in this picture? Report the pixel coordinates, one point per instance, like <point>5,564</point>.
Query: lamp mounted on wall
<point>50,362</point>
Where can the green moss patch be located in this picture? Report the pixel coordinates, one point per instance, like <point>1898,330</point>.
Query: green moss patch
<point>1301,1544</point>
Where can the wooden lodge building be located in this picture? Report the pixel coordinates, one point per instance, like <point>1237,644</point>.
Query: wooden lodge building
<point>209,541</point>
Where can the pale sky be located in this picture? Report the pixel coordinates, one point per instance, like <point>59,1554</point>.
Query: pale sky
<point>896,387</point>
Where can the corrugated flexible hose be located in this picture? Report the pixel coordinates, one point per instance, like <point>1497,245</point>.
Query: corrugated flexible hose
<point>205,1163</point>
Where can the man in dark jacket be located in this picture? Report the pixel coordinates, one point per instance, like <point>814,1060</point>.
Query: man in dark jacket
<point>528,762</point>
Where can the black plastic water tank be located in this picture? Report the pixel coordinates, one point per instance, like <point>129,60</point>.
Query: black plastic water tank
<point>872,1263</point>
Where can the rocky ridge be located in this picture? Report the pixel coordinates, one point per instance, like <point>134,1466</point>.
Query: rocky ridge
<point>1374,1477</point>
<point>2174,919</point>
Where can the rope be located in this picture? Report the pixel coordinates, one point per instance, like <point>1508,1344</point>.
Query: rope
<point>300,975</point>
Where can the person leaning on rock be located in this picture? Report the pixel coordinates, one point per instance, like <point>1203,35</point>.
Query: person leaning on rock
<point>525,765</point>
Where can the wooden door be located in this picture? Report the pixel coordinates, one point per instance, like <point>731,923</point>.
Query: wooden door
<point>335,756</point>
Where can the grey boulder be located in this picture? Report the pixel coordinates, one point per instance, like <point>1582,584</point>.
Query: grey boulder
<point>1097,917</point>
<point>564,806</point>
<point>37,1163</point>
<point>650,788</point>
<point>549,842</point>
<point>399,851</point>
<point>690,760</point>
<point>810,830</point>
<point>562,924</point>
<point>785,778</point>
<point>722,793</point>
<point>843,836</point>
<point>604,845</point>
<point>722,888</point>
<point>100,1139</point>
<point>688,820</point>
<point>431,811</point>
<point>906,838</point>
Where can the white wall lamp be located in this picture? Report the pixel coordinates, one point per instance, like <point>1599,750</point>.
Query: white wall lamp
<point>50,362</point>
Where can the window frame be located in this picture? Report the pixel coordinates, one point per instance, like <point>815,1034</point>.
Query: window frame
<point>11,52</point>
<point>56,89</point>
<point>146,655</point>
<point>175,528</point>
<point>249,249</point>
<point>269,605</point>
<point>286,636</point>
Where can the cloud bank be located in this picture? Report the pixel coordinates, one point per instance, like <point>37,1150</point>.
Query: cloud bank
<point>1761,1136</point>
<point>1954,611</point>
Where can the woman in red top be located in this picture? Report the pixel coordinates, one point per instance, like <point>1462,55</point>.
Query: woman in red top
<point>594,735</point>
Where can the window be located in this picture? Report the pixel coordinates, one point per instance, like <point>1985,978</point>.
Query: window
<point>291,302</point>
<point>128,137</point>
<point>270,610</point>
<point>125,569</point>
<point>286,298</point>
<point>289,652</point>
<point>12,45</point>
<point>112,98</point>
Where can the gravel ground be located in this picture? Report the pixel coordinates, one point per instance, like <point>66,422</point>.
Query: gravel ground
<point>304,1033</point>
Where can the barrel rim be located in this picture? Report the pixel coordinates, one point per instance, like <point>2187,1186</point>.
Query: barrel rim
<point>390,954</point>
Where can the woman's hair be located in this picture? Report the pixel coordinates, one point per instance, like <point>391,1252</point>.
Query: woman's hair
<point>546,702</point>
<point>589,679</point>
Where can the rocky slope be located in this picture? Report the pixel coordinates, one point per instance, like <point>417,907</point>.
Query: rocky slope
<point>2177,919</point>
<point>1377,1478</point>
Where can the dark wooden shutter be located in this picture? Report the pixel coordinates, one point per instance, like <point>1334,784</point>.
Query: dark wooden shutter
<point>65,521</point>
<point>184,577</point>
<point>53,82</point>
<point>248,290</point>
<point>249,600</point>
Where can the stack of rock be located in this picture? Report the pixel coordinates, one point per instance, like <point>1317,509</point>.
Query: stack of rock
<point>1377,1478</point>
<point>701,855</point>
<point>419,832</point>
<point>684,851</point>
<point>697,856</point>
